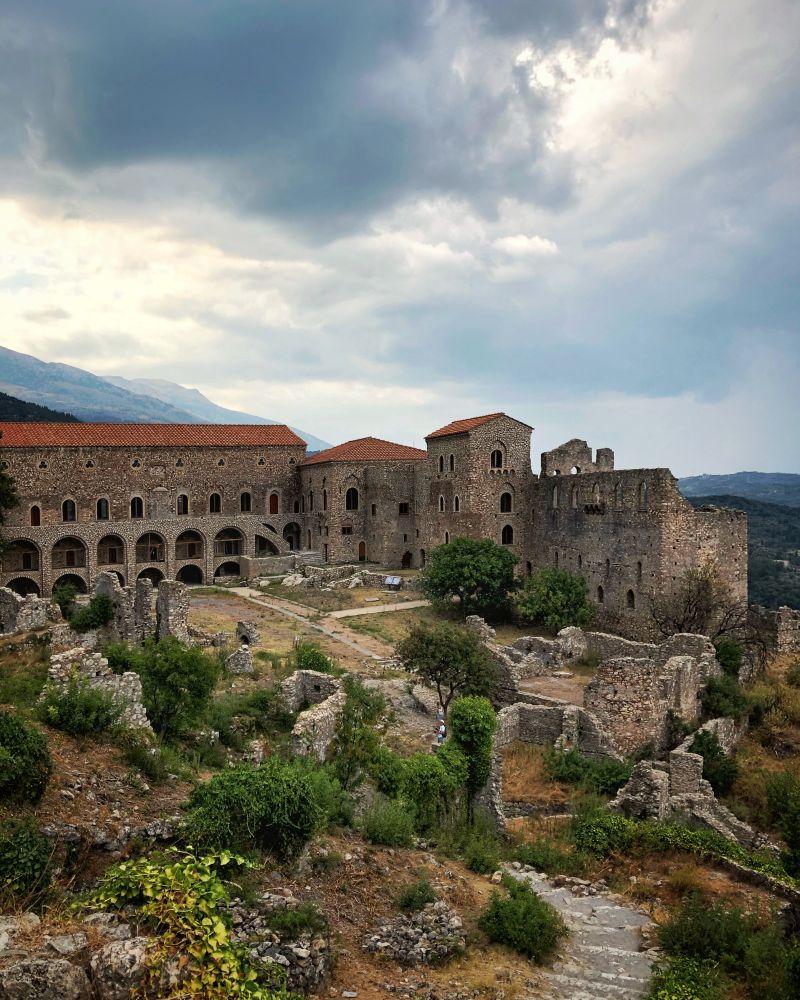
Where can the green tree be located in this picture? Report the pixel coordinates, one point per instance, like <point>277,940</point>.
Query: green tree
<point>472,726</point>
<point>555,598</point>
<point>478,575</point>
<point>449,659</point>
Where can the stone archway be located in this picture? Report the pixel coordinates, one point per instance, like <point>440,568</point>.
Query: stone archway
<point>23,586</point>
<point>190,575</point>
<point>407,561</point>
<point>291,535</point>
<point>71,580</point>
<point>231,568</point>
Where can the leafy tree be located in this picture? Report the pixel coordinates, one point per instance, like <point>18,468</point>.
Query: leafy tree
<point>356,742</point>
<point>555,598</point>
<point>701,603</point>
<point>449,659</point>
<point>97,613</point>
<point>472,725</point>
<point>64,595</point>
<point>25,762</point>
<point>478,575</point>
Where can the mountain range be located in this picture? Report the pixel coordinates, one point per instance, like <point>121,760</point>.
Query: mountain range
<point>769,487</point>
<point>117,400</point>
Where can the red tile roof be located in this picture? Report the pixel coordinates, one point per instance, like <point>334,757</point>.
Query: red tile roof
<point>368,449</point>
<point>462,426</point>
<point>44,435</point>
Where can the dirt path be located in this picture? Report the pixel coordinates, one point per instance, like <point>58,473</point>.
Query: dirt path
<point>378,609</point>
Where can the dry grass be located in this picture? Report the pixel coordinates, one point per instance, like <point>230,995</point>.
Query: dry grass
<point>525,777</point>
<point>337,600</point>
<point>394,626</point>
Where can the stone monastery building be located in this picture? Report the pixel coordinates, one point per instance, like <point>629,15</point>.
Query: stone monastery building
<point>200,502</point>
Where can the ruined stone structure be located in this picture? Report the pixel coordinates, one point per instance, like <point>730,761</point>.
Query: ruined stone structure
<point>125,689</point>
<point>200,503</point>
<point>780,629</point>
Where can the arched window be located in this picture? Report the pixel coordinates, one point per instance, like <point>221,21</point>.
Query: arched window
<point>507,535</point>
<point>618,496</point>
<point>311,501</point>
<point>555,558</point>
<point>643,496</point>
<point>574,497</point>
<point>324,499</point>
<point>302,504</point>
<point>452,463</point>
<point>351,499</point>
<point>68,511</point>
<point>600,595</point>
<point>182,505</point>
<point>496,460</point>
<point>36,516</point>
<point>245,502</point>
<point>441,504</point>
<point>447,538</point>
<point>555,497</point>
<point>215,504</point>
<point>273,503</point>
<point>580,561</point>
<point>639,571</point>
<point>456,504</point>
<point>505,503</point>
<point>441,463</point>
<point>102,509</point>
<point>137,508</point>
<point>630,600</point>
<point>296,508</point>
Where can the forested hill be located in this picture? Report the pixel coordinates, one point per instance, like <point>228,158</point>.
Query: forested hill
<point>774,544</point>
<point>771,487</point>
<point>12,408</point>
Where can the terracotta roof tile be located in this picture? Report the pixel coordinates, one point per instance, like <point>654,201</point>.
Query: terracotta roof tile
<point>368,449</point>
<point>45,435</point>
<point>462,426</point>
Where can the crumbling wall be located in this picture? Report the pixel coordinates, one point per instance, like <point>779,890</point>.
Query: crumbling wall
<point>172,610</point>
<point>126,689</point>
<point>315,728</point>
<point>25,614</point>
<point>780,629</point>
<point>307,687</point>
<point>575,454</point>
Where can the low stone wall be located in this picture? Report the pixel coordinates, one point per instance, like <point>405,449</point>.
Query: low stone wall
<point>307,687</point>
<point>26,614</point>
<point>781,628</point>
<point>126,689</point>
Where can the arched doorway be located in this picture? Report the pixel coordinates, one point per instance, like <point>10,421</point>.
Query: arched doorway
<point>69,553</point>
<point>191,575</point>
<point>151,548</point>
<point>265,547</point>
<point>273,503</point>
<point>155,576</point>
<point>71,580</point>
<point>229,542</point>
<point>21,555</point>
<point>362,551</point>
<point>291,535</point>
<point>23,586</point>
<point>110,551</point>
<point>189,545</point>
<point>407,561</point>
<point>228,569</point>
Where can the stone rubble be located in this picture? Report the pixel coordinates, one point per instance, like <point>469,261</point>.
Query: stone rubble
<point>428,937</point>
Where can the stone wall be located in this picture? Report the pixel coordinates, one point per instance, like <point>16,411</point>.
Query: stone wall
<point>172,610</point>
<point>781,628</point>
<point>26,614</point>
<point>315,728</point>
<point>307,687</point>
<point>126,689</point>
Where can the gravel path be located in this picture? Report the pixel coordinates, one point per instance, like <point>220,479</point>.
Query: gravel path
<point>378,609</point>
<point>602,958</point>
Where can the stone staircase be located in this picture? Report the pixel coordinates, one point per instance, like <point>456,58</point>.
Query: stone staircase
<point>602,957</point>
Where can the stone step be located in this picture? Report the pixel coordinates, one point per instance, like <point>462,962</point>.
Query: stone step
<point>574,987</point>
<point>615,961</point>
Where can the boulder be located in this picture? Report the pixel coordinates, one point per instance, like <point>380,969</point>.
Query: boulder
<point>119,967</point>
<point>44,978</point>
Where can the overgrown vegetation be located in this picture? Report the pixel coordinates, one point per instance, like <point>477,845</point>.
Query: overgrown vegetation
<point>472,726</point>
<point>238,717</point>
<point>718,768</point>
<point>555,598</point>
<point>97,613</point>
<point>309,656</point>
<point>388,822</point>
<point>523,921</point>
<point>416,896</point>
<point>723,697</point>
<point>182,899</point>
<point>449,659</point>
<point>356,742</point>
<point>25,863</point>
<point>79,708</point>
<point>25,762</point>
<point>64,595</point>
<point>600,777</point>
<point>475,576</point>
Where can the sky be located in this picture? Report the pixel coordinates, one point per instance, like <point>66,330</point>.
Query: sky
<point>372,217</point>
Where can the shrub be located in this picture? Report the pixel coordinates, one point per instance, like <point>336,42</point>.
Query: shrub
<point>555,598</point>
<point>273,807</point>
<point>602,777</point>
<point>431,783</point>
<point>723,697</point>
<point>97,613</point>
<point>237,716</point>
<point>416,896</point>
<point>389,822</point>
<point>449,659</point>
<point>793,673</point>
<point>290,923</point>
<point>141,752</point>
<point>679,978</point>
<point>64,595</point>
<point>25,763</point>
<point>309,656</point>
<point>783,801</point>
<point>729,655</point>
<point>25,857</point>
<point>600,832</point>
<point>79,708</point>
<point>478,575</point>
<point>122,656</point>
<point>472,726</point>
<point>552,858</point>
<point>356,741</point>
<point>523,921</point>
<point>482,850</point>
<point>718,768</point>
<point>177,681</point>
<point>387,769</point>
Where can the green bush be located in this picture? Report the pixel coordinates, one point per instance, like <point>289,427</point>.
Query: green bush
<point>523,921</point>
<point>25,863</point>
<point>679,978</point>
<point>718,768</point>
<point>177,682</point>
<point>783,802</point>
<point>432,782</point>
<point>472,726</point>
<point>25,762</point>
<point>477,575</point>
<point>64,595</point>
<point>387,769</point>
<point>333,801</point>
<point>389,822</point>
<point>79,708</point>
<point>482,849</point>
<point>555,598</point>
<point>449,659</point>
<point>274,807</point>
<point>723,697</point>
<point>122,656</point>
<point>416,896</point>
<point>550,857</point>
<point>97,613</point>
<point>290,923</point>
<point>602,777</point>
<point>729,654</point>
<point>236,717</point>
<point>600,832</point>
<point>309,656</point>
<point>355,743</point>
<point>793,673</point>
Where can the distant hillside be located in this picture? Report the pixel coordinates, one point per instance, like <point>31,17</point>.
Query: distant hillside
<point>771,487</point>
<point>774,544</point>
<point>116,400</point>
<point>19,410</point>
